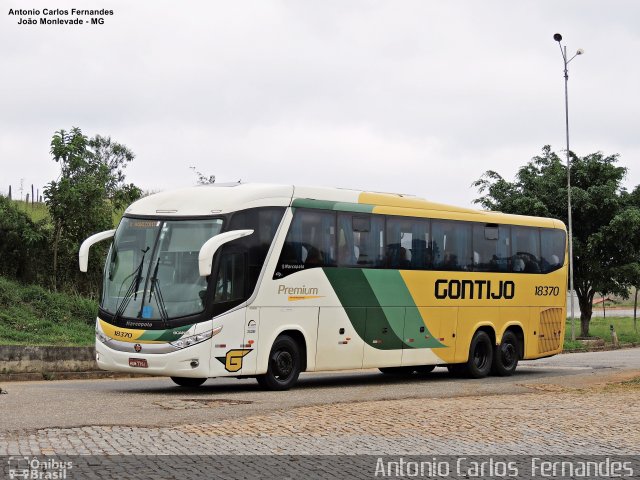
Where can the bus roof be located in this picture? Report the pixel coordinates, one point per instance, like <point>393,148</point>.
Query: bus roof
<point>207,200</point>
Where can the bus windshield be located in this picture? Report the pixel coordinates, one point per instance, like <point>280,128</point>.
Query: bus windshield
<point>152,268</point>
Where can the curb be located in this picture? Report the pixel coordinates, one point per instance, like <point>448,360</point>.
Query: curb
<point>90,375</point>
<point>604,348</point>
<point>32,363</point>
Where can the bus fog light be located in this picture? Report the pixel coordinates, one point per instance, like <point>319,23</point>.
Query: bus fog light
<point>194,363</point>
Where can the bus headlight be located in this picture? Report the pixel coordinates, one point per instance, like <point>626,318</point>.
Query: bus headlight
<point>185,342</point>
<point>102,337</point>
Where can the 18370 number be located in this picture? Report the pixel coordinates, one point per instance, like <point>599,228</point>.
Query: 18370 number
<point>547,291</point>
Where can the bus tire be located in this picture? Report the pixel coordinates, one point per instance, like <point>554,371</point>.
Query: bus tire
<point>284,365</point>
<point>505,356</point>
<point>480,356</point>
<point>188,382</point>
<point>397,370</point>
<point>424,369</point>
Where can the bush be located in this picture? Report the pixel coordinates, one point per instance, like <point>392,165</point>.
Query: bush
<point>23,244</point>
<point>32,315</point>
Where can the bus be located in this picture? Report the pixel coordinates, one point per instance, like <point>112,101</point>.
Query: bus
<point>268,281</point>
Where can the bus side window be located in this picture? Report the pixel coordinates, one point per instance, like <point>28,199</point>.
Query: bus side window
<point>230,283</point>
<point>264,222</point>
<point>360,240</point>
<point>452,245</point>
<point>406,243</point>
<point>552,246</point>
<point>310,242</point>
<point>525,244</point>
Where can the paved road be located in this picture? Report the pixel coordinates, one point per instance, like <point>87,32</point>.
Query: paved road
<point>159,402</point>
<point>557,405</point>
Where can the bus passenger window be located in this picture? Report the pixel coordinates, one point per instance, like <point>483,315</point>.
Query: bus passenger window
<point>552,243</point>
<point>310,242</point>
<point>451,245</point>
<point>490,247</point>
<point>406,243</point>
<point>360,240</point>
<point>525,248</point>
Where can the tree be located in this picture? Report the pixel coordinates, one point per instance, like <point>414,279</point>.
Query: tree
<point>22,242</point>
<point>606,219</point>
<point>115,156</point>
<point>82,200</point>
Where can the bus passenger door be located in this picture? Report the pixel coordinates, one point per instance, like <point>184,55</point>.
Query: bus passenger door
<point>340,345</point>
<point>230,351</point>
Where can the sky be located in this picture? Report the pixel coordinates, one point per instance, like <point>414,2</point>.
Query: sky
<point>417,97</point>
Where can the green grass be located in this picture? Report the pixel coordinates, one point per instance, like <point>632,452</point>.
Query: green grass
<point>37,211</point>
<point>599,327</point>
<point>31,315</point>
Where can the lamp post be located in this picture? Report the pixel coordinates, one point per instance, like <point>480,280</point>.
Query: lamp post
<point>563,50</point>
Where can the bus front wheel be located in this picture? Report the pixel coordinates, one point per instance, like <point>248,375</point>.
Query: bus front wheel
<point>505,356</point>
<point>188,382</point>
<point>284,365</point>
<point>480,356</point>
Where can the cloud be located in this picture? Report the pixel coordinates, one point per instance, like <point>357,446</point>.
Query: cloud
<point>413,96</point>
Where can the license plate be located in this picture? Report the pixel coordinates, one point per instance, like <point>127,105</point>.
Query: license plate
<point>138,362</point>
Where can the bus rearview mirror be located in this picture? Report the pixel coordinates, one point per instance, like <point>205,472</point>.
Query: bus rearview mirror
<point>211,246</point>
<point>83,254</point>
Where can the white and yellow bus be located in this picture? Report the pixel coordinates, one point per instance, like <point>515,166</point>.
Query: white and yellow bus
<point>268,281</point>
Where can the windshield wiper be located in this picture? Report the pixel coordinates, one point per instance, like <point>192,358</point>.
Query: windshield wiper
<point>155,287</point>
<point>132,291</point>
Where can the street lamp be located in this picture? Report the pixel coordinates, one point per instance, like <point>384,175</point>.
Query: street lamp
<point>563,50</point>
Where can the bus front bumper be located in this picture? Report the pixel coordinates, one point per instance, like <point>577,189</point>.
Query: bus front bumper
<point>191,362</point>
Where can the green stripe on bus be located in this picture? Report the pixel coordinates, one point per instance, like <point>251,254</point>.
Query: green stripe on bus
<point>168,335</point>
<point>390,289</point>
<point>353,207</point>
<point>352,287</point>
<point>370,321</point>
<point>308,203</point>
<point>337,206</point>
<point>413,321</point>
<point>380,308</point>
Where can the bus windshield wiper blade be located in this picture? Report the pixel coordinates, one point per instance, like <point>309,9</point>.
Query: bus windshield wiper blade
<point>155,288</point>
<point>132,291</point>
<point>139,274</point>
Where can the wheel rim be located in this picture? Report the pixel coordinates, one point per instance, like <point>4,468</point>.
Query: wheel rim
<point>282,364</point>
<point>480,356</point>
<point>508,354</point>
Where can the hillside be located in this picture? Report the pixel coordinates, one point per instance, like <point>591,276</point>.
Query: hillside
<point>32,315</point>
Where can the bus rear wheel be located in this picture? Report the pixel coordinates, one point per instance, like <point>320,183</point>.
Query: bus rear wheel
<point>480,356</point>
<point>188,382</point>
<point>505,356</point>
<point>284,365</point>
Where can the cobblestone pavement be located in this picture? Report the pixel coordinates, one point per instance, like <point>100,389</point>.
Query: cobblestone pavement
<point>586,416</point>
